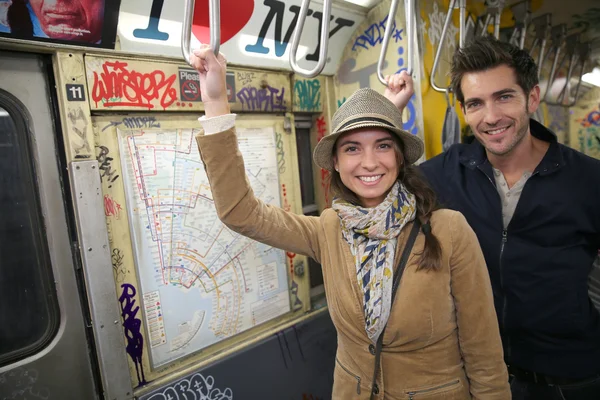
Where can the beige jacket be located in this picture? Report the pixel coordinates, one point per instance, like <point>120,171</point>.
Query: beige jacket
<point>442,339</point>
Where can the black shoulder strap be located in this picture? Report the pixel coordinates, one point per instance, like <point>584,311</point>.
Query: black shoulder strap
<point>397,276</point>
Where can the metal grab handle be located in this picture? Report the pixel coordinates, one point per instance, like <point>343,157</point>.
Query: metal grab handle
<point>214,10</point>
<point>522,15</point>
<point>558,35</point>
<point>409,11</point>
<point>324,40</point>
<point>542,25</point>
<point>581,53</point>
<point>411,22</point>
<point>462,4</point>
<point>485,24</point>
<point>494,10</point>
<point>584,50</point>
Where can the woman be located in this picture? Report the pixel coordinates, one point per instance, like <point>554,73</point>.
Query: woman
<point>440,336</point>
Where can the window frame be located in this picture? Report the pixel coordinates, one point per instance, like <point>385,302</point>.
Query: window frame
<point>303,126</point>
<point>22,121</point>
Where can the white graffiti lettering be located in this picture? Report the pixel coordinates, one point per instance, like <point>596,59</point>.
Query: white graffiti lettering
<point>21,385</point>
<point>197,387</point>
<point>436,24</point>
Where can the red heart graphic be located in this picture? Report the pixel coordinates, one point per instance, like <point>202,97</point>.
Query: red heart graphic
<point>235,14</point>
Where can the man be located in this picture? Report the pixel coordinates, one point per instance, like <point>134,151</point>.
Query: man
<point>535,207</point>
<point>71,20</point>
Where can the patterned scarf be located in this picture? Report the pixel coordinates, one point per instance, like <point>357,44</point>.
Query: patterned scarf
<point>372,234</point>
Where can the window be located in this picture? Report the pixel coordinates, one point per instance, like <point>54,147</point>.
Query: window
<point>309,206</point>
<point>28,303</point>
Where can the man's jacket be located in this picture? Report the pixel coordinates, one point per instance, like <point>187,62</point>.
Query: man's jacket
<point>539,265</point>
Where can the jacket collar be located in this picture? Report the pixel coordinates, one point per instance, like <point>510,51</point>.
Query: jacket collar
<point>474,154</point>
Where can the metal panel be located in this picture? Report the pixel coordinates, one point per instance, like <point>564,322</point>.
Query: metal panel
<point>296,362</point>
<point>62,370</point>
<point>99,280</point>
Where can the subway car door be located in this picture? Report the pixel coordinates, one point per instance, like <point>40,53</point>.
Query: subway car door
<point>44,352</point>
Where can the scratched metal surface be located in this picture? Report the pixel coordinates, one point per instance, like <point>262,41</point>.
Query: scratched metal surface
<point>295,364</point>
<point>594,284</point>
<point>104,311</point>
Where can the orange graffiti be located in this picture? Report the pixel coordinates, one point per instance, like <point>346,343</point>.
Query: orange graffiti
<point>111,207</point>
<point>592,119</point>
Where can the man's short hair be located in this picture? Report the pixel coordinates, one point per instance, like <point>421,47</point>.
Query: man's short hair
<point>484,53</point>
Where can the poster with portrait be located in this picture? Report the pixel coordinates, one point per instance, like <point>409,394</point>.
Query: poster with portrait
<point>78,22</point>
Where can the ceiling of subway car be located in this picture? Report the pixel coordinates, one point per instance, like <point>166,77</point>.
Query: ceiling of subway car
<point>581,16</point>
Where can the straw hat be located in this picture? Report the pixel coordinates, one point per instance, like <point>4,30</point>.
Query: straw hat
<point>367,108</point>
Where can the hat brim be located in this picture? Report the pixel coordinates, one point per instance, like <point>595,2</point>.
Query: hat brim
<point>413,146</point>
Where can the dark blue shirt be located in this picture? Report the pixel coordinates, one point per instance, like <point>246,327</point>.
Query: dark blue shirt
<point>539,265</point>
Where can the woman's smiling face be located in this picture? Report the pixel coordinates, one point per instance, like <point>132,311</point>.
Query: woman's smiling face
<point>367,162</point>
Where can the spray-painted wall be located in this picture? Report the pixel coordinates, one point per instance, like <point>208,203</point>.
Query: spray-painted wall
<point>432,15</point>
<point>585,124</point>
<point>358,67</point>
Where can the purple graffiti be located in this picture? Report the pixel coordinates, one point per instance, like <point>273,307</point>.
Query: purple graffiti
<point>132,329</point>
<point>267,99</point>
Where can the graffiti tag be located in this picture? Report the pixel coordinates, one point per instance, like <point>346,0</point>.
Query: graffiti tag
<point>132,328</point>
<point>280,153</point>
<point>245,78</point>
<point>116,259</point>
<point>267,99</point>
<point>79,125</point>
<point>325,175</point>
<point>373,35</point>
<point>141,122</point>
<point>197,387</point>
<point>117,86</point>
<point>308,94</point>
<point>111,207</point>
<point>107,172</point>
<point>592,119</point>
<point>21,384</point>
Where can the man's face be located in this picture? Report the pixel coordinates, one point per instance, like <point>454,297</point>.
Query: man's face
<point>79,20</point>
<point>497,109</point>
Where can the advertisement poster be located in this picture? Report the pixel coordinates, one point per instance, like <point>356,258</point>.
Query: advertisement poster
<point>78,22</point>
<point>254,33</point>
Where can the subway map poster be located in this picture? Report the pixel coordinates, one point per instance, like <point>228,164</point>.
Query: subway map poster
<point>201,282</point>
